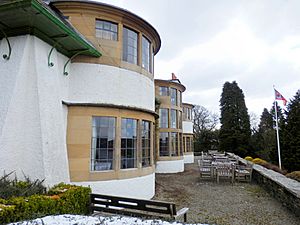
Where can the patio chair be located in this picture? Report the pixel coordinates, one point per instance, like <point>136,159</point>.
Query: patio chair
<point>205,169</point>
<point>243,173</point>
<point>225,170</point>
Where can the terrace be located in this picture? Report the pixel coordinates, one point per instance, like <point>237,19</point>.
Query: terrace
<point>224,203</point>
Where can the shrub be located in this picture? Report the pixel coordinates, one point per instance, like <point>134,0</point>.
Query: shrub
<point>61,199</point>
<point>249,158</point>
<point>259,161</point>
<point>294,175</point>
<point>14,188</point>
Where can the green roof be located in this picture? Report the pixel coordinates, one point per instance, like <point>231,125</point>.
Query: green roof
<point>19,17</point>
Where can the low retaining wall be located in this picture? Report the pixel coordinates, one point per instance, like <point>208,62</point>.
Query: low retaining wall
<point>284,189</point>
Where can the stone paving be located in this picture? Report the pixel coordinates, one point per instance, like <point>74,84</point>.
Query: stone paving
<point>224,203</point>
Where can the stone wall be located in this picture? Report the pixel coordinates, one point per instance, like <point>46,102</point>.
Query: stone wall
<point>284,189</point>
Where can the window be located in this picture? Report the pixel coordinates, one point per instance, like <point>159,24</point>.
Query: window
<point>164,144</point>
<point>103,138</point>
<point>188,144</point>
<point>146,140</point>
<point>163,118</point>
<point>181,144</point>
<point>174,144</point>
<point>163,91</point>
<point>106,30</point>
<point>173,93</point>
<point>130,45</point>
<point>146,54</point>
<point>180,119</point>
<point>173,118</point>
<point>180,98</point>
<point>128,143</point>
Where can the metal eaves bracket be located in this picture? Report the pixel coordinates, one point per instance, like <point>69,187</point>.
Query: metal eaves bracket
<point>50,64</point>
<point>76,54</point>
<point>5,56</point>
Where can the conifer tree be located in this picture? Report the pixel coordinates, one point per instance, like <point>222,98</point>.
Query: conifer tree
<point>291,136</point>
<point>263,142</point>
<point>235,123</point>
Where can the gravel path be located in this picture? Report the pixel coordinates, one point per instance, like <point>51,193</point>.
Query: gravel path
<point>221,204</point>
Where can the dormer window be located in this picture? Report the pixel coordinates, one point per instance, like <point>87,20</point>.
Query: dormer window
<point>106,30</point>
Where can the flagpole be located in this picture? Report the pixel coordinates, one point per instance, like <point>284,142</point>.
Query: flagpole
<point>277,132</point>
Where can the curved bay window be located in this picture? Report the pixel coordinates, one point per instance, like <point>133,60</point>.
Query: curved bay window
<point>146,64</point>
<point>106,30</point>
<point>163,118</point>
<point>146,140</point>
<point>103,138</point>
<point>130,45</point>
<point>164,144</point>
<point>173,94</point>
<point>128,143</point>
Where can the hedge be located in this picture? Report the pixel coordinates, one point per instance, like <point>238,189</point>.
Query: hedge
<point>61,199</point>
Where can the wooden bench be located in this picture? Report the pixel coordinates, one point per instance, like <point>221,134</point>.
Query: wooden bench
<point>135,207</point>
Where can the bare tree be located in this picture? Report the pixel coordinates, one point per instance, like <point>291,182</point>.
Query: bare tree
<point>206,135</point>
<point>204,119</point>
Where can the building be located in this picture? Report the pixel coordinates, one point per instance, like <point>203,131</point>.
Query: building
<point>77,95</point>
<point>188,133</point>
<point>170,140</point>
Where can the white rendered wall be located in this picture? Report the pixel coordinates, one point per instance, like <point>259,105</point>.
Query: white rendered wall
<point>174,166</point>
<point>187,127</point>
<point>140,187</point>
<point>32,134</point>
<point>95,83</point>
<point>188,158</point>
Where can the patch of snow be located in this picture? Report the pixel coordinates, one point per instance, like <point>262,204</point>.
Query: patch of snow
<point>93,220</point>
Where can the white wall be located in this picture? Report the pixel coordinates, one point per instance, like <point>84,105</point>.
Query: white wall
<point>174,166</point>
<point>188,158</point>
<point>140,187</point>
<point>32,138</point>
<point>33,120</point>
<point>187,127</point>
<point>95,83</point>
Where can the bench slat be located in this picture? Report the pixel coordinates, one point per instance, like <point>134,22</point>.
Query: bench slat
<point>130,206</point>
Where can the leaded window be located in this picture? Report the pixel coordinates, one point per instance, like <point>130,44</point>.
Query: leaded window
<point>146,54</point>
<point>103,141</point>
<point>130,45</point>
<point>163,118</point>
<point>173,94</point>
<point>106,30</point>
<point>164,144</point>
<point>128,143</point>
<point>146,140</point>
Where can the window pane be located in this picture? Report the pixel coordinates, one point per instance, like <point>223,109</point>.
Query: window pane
<point>174,144</point>
<point>146,139</point>
<point>163,118</point>
<point>128,143</point>
<point>173,118</point>
<point>146,54</point>
<point>130,42</point>
<point>106,30</point>
<point>164,144</point>
<point>163,91</point>
<point>173,93</point>
<point>103,138</point>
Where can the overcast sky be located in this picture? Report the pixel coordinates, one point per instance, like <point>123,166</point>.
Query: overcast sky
<point>208,42</point>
